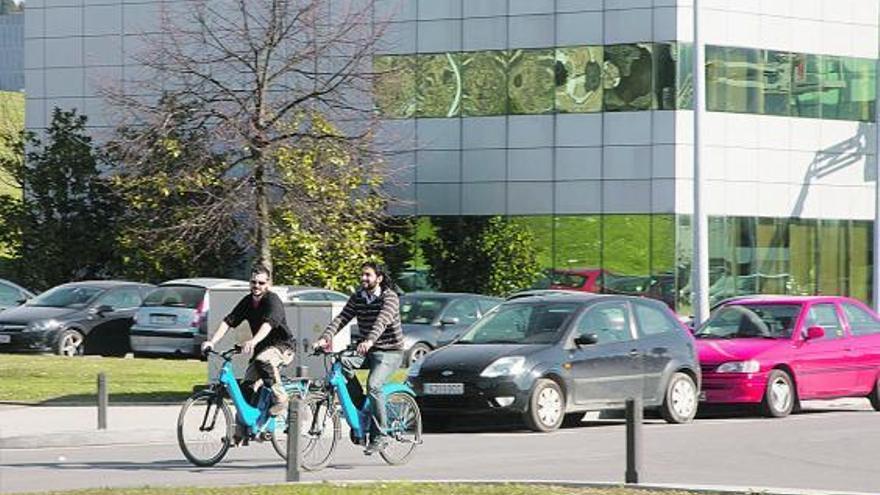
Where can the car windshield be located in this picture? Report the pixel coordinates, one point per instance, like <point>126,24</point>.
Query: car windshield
<point>66,297</point>
<point>176,297</point>
<point>568,280</point>
<point>536,323</point>
<point>742,321</point>
<point>420,310</point>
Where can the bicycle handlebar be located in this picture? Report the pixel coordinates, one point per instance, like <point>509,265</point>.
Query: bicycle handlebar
<point>227,354</point>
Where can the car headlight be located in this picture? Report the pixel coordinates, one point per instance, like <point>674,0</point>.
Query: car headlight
<point>43,326</point>
<point>506,366</point>
<point>750,366</point>
<point>414,369</point>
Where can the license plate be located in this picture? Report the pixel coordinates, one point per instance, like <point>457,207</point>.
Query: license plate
<point>444,388</point>
<point>163,320</point>
<point>702,396</point>
<point>5,339</point>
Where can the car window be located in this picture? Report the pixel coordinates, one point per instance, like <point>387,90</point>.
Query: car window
<point>824,315</point>
<point>463,309</point>
<point>749,321</point>
<point>486,305</point>
<point>861,322</point>
<point>420,310</point>
<point>541,323</point>
<point>332,296</point>
<point>654,321</point>
<point>176,296</point>
<point>609,322</point>
<point>9,296</point>
<point>121,299</point>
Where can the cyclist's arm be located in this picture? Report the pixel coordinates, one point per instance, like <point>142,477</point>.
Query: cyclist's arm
<point>340,321</point>
<point>265,328</point>
<point>232,320</point>
<point>390,308</point>
<point>218,335</point>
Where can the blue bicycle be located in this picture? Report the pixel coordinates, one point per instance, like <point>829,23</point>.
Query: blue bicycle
<point>330,399</point>
<point>206,429</point>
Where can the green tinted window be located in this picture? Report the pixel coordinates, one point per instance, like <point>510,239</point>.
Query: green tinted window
<point>684,81</point>
<point>629,77</point>
<point>733,80</point>
<point>484,83</point>
<point>578,241</point>
<point>438,82</point>
<point>531,81</point>
<point>806,87</point>
<point>579,79</point>
<point>775,83</point>
<point>394,90</point>
<point>665,87</point>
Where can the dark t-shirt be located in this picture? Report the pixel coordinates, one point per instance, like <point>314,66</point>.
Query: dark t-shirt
<point>268,309</point>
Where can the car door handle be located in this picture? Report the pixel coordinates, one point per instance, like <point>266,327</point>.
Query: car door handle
<point>634,353</point>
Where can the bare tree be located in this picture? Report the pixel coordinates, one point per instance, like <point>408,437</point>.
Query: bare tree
<point>245,79</point>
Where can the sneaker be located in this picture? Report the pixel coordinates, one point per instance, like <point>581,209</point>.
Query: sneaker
<point>377,444</point>
<point>281,400</point>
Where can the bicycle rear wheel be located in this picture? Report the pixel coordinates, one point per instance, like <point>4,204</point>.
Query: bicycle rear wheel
<point>404,421</point>
<point>203,428</point>
<point>319,432</point>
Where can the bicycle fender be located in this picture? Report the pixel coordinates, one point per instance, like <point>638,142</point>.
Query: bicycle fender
<point>393,388</point>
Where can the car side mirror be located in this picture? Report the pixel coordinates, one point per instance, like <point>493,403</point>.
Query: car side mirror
<point>449,321</point>
<point>815,333</point>
<point>102,309</point>
<point>588,339</point>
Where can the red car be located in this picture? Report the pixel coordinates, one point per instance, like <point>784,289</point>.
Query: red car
<point>579,279</point>
<point>777,351</point>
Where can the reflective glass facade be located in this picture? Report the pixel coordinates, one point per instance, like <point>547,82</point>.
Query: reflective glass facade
<point>650,255</point>
<point>622,78</point>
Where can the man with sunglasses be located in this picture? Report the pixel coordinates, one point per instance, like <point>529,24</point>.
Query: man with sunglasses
<point>271,345</point>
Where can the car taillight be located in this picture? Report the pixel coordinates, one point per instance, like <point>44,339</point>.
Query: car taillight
<point>199,315</point>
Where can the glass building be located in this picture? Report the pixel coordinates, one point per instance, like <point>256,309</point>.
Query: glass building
<point>11,50</point>
<point>573,118</point>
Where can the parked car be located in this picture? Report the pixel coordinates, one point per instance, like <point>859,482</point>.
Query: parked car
<point>12,295</point>
<point>540,292</point>
<point>776,351</point>
<point>76,318</point>
<point>579,279</point>
<point>433,319</point>
<point>295,293</point>
<point>551,358</point>
<point>173,319</point>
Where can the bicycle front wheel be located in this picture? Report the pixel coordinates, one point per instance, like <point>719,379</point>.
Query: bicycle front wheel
<point>404,421</point>
<point>319,432</point>
<point>203,429</point>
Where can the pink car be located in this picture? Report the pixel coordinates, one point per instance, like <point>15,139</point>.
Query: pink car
<point>776,351</point>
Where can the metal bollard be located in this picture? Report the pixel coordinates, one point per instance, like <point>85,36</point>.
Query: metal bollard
<point>102,401</point>
<point>294,452</point>
<point>302,371</point>
<point>634,415</point>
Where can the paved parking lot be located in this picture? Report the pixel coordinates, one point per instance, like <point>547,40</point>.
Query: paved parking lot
<point>828,447</point>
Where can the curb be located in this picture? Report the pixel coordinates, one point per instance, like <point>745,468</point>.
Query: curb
<point>96,438</point>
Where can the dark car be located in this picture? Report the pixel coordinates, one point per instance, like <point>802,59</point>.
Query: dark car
<point>550,359</point>
<point>12,295</point>
<point>75,318</point>
<point>433,319</point>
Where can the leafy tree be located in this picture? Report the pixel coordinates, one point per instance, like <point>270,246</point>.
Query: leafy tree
<point>64,227</point>
<point>326,246</point>
<point>487,255</point>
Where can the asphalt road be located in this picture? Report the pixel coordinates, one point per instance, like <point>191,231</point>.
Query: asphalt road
<point>825,448</point>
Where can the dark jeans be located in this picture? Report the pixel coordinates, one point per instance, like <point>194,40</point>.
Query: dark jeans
<point>382,364</point>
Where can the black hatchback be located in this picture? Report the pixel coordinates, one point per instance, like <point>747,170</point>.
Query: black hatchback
<point>552,358</point>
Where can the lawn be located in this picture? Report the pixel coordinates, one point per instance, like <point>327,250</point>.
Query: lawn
<point>377,489</point>
<point>45,379</point>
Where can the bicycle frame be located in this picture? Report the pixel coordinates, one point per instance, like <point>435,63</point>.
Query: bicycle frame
<point>256,419</point>
<point>359,419</point>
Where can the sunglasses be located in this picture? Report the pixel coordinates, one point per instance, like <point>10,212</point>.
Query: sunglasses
<point>259,282</point>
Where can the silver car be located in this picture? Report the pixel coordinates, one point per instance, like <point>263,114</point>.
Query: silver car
<point>173,319</point>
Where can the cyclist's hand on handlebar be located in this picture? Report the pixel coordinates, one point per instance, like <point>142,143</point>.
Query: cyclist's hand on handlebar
<point>364,347</point>
<point>248,347</point>
<point>321,344</point>
<point>207,346</point>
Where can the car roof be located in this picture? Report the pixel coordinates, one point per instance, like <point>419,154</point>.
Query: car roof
<point>10,283</point>
<point>784,299</point>
<point>579,297</point>
<point>209,283</point>
<point>447,295</point>
<point>106,284</point>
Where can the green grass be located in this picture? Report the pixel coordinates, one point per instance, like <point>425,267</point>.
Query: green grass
<point>54,379</point>
<point>377,489</point>
<point>11,122</point>
<point>57,380</point>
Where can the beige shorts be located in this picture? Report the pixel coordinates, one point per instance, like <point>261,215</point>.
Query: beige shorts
<point>273,356</point>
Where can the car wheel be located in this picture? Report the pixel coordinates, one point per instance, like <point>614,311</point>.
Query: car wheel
<point>680,401</point>
<point>417,352</point>
<point>874,397</point>
<point>779,396</point>
<point>546,409</point>
<point>70,343</point>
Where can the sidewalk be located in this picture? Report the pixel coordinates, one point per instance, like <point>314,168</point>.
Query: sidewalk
<point>23,427</point>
